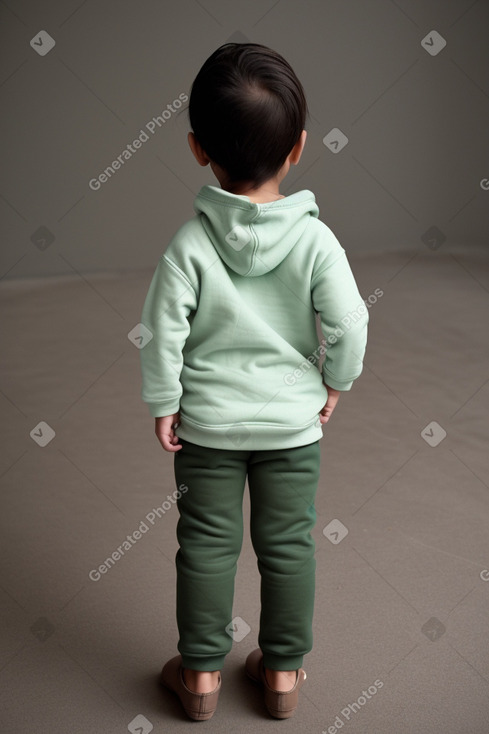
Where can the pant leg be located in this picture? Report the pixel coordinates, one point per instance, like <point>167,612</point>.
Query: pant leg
<point>210,535</point>
<point>283,488</point>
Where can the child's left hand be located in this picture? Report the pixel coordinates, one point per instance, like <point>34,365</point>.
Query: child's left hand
<point>165,431</point>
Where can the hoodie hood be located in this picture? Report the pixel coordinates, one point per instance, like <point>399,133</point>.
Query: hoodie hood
<point>252,238</point>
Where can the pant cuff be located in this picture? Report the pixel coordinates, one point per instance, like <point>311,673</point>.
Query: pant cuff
<point>282,662</point>
<point>203,664</point>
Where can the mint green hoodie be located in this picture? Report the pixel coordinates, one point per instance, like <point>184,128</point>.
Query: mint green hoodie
<point>231,313</point>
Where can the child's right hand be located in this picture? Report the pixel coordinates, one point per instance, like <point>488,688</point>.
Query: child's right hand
<point>333,397</point>
<point>165,431</point>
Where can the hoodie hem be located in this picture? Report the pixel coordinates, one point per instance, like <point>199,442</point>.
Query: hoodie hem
<point>249,436</point>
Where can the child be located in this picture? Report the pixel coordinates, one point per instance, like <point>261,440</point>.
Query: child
<point>232,365</point>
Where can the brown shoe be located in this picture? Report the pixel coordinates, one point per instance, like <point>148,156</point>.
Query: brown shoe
<point>280,704</point>
<point>199,706</point>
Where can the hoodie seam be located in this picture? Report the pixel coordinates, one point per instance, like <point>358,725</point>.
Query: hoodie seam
<point>323,270</point>
<point>255,247</point>
<point>179,272</point>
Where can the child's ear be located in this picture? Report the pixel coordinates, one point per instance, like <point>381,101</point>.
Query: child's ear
<point>197,150</point>
<point>296,152</point>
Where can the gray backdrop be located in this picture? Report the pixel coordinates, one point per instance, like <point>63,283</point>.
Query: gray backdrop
<point>403,597</point>
<point>413,105</point>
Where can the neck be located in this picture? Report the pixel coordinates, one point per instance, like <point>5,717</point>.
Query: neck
<point>269,191</point>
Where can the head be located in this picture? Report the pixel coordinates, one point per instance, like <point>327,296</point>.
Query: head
<point>247,111</point>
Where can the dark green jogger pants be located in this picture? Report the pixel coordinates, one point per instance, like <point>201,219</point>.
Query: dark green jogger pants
<point>282,485</point>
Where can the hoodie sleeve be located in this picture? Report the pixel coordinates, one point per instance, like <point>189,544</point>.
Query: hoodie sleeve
<point>344,318</point>
<point>169,301</point>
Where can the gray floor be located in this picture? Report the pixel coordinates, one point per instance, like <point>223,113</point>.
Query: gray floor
<point>402,599</point>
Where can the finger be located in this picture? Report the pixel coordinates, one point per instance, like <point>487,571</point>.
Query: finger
<point>175,446</point>
<point>167,444</point>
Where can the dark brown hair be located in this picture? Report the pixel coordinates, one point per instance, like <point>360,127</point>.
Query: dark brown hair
<point>247,109</point>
